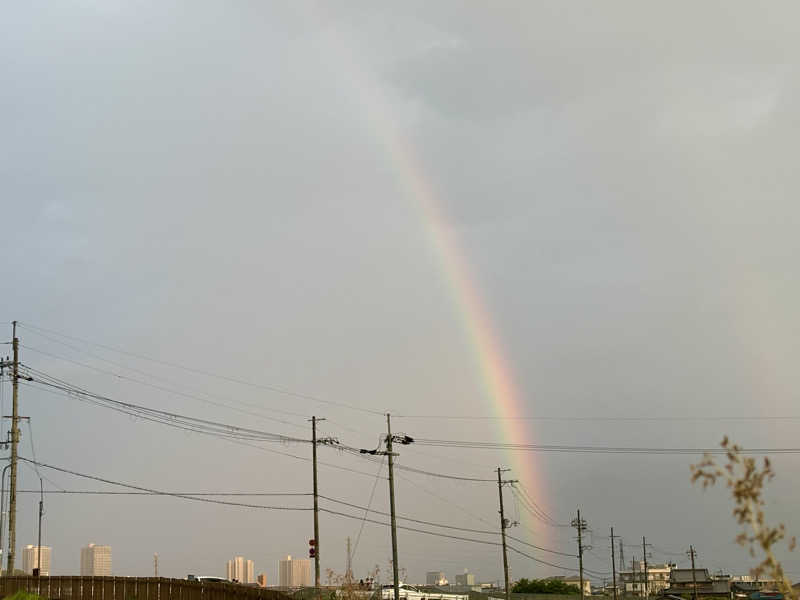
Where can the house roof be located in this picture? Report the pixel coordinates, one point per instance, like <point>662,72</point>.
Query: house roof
<point>680,576</point>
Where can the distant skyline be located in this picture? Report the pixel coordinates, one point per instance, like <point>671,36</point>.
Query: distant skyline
<point>520,229</point>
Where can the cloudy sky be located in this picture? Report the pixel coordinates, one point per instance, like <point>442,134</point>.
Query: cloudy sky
<point>385,208</point>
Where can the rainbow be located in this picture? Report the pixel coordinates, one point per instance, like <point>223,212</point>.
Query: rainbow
<point>496,375</point>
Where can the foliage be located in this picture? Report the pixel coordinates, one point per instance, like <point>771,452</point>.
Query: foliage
<point>544,586</point>
<point>347,587</point>
<point>23,595</point>
<point>747,482</point>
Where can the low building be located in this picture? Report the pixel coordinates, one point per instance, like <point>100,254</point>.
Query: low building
<point>262,580</point>
<point>576,581</point>
<point>635,583</point>
<point>686,581</point>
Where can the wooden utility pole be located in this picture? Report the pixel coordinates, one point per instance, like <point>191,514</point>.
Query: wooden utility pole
<point>503,527</point>
<point>613,565</point>
<point>390,454</point>
<point>692,553</point>
<point>12,504</point>
<point>580,525</point>
<point>316,502</point>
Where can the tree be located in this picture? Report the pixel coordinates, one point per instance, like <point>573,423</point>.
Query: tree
<point>747,482</point>
<point>544,586</point>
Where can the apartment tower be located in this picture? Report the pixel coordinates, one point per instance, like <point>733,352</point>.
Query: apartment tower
<point>30,559</point>
<point>96,561</point>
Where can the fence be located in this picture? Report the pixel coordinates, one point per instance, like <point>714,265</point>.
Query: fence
<point>131,588</point>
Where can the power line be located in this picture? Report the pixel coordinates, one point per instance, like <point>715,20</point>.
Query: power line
<point>176,420</point>
<point>539,560</point>
<point>160,492</point>
<point>137,493</point>
<point>511,537</point>
<point>592,449</point>
<point>403,518</point>
<point>414,529</point>
<point>166,389</point>
<point>366,511</point>
<point>262,449</point>
<point>370,457</point>
<point>605,419</point>
<point>445,500</point>
<point>272,388</point>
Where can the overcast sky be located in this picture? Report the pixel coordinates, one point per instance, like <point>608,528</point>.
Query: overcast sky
<point>233,186</point>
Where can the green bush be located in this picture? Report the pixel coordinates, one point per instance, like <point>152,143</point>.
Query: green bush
<point>23,595</point>
<point>544,586</point>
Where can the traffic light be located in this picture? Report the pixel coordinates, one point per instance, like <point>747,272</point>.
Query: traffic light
<point>312,548</point>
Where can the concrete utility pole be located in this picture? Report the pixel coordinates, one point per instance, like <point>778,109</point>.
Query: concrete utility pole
<point>644,556</point>
<point>580,525</point>
<point>622,565</point>
<point>12,504</point>
<point>41,512</point>
<point>503,527</point>
<point>390,454</point>
<point>348,574</point>
<point>390,439</point>
<point>692,553</point>
<point>613,565</point>
<point>316,502</point>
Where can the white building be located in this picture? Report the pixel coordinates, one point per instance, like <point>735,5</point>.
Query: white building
<point>633,582</point>
<point>435,578</point>
<point>241,570</point>
<point>294,572</point>
<point>576,581</point>
<point>30,559</point>
<point>96,561</point>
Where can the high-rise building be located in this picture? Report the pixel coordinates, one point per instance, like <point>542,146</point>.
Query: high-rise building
<point>435,578</point>
<point>262,580</point>
<point>96,561</point>
<point>466,578</point>
<point>30,559</point>
<point>241,570</point>
<point>249,572</point>
<point>295,572</point>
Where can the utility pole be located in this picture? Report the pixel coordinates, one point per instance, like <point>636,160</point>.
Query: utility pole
<point>316,502</point>
<point>622,565</point>
<point>633,574</point>
<point>644,556</point>
<point>503,526</point>
<point>41,512</point>
<point>12,504</point>
<point>390,439</point>
<point>348,574</point>
<point>580,525</point>
<point>613,565</point>
<point>692,553</point>
<point>390,454</point>
<point>155,564</point>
